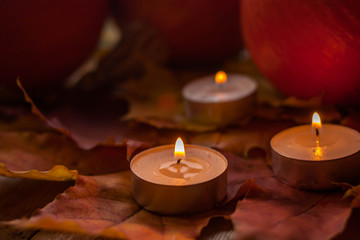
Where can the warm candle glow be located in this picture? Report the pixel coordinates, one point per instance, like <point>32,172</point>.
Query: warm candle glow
<point>316,123</point>
<point>317,153</point>
<point>220,77</point>
<point>179,148</point>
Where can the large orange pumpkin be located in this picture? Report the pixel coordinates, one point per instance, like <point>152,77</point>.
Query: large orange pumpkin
<point>44,41</point>
<point>306,47</point>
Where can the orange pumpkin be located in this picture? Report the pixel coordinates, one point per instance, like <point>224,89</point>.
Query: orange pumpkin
<point>44,41</point>
<point>306,48</point>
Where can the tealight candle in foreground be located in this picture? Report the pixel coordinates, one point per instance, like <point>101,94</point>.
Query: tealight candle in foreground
<point>219,99</point>
<point>315,156</point>
<point>179,179</point>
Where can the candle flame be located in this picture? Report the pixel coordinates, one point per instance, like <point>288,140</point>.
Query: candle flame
<point>220,77</point>
<point>318,151</point>
<point>316,121</point>
<point>179,151</point>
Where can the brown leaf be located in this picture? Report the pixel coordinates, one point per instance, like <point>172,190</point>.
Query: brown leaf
<point>104,205</point>
<point>56,173</point>
<point>94,132</point>
<point>20,197</point>
<point>92,195</point>
<point>54,123</point>
<point>256,134</point>
<point>288,213</point>
<point>209,139</point>
<point>17,119</point>
<point>354,192</point>
<point>90,132</point>
<point>241,139</point>
<point>25,151</point>
<point>240,170</point>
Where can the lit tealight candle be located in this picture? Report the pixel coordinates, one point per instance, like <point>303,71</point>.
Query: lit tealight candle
<point>219,99</point>
<point>179,179</point>
<point>315,156</point>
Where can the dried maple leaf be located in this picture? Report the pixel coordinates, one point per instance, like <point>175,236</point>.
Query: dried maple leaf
<point>17,119</point>
<point>54,123</point>
<point>240,170</point>
<point>273,210</point>
<point>29,149</point>
<point>269,209</point>
<point>88,131</point>
<point>256,134</point>
<point>56,173</point>
<point>93,132</point>
<point>104,205</point>
<point>25,151</point>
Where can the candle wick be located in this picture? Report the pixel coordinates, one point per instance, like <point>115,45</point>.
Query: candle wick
<point>317,132</point>
<point>179,161</point>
